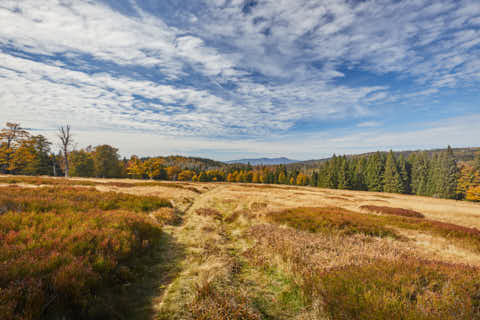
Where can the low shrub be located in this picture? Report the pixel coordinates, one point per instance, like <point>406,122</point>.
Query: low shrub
<point>351,278</point>
<point>57,263</point>
<point>466,237</point>
<point>46,181</point>
<point>74,182</point>
<point>404,289</point>
<point>393,211</point>
<point>331,219</point>
<point>63,199</point>
<point>168,216</point>
<point>63,247</point>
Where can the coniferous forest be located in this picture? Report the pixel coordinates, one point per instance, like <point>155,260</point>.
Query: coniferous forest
<point>438,174</point>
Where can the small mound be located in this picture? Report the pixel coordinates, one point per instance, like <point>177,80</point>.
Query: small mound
<point>257,206</point>
<point>331,219</point>
<point>209,212</point>
<point>393,211</point>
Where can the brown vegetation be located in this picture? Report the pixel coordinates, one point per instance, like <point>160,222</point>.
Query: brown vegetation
<point>330,219</point>
<point>236,252</point>
<point>209,212</point>
<point>70,199</point>
<point>393,211</point>
<point>40,181</point>
<point>61,247</point>
<point>354,278</point>
<point>216,302</point>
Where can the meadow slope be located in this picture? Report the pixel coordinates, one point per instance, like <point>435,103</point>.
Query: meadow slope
<point>252,251</point>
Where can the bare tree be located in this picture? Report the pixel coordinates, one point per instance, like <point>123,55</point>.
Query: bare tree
<point>66,142</point>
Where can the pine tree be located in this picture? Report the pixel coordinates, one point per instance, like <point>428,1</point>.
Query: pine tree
<point>392,178</point>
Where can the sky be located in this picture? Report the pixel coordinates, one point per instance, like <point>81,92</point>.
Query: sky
<point>229,79</point>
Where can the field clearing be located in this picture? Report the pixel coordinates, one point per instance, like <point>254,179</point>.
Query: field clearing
<point>252,251</point>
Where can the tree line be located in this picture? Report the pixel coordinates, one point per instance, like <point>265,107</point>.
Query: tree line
<point>436,175</point>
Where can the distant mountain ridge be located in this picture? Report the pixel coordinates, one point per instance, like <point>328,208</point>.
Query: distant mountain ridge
<point>263,161</point>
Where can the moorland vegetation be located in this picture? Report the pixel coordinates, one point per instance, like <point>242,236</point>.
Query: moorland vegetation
<point>436,174</point>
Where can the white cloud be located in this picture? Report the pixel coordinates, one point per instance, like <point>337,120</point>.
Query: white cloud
<point>226,72</point>
<point>369,124</point>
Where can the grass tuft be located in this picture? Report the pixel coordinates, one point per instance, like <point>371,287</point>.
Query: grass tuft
<point>214,302</point>
<point>209,212</point>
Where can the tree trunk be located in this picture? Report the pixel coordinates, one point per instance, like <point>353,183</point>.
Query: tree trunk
<point>65,151</point>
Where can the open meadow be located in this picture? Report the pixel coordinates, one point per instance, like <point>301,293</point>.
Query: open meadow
<point>134,249</point>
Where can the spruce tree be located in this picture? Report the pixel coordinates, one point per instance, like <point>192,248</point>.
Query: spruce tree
<point>375,170</point>
<point>358,177</point>
<point>435,177</point>
<point>392,178</point>
<point>332,177</point>
<point>405,174</point>
<point>323,176</point>
<point>421,167</point>
<point>314,179</point>
<point>448,175</point>
<point>476,164</point>
<point>344,176</point>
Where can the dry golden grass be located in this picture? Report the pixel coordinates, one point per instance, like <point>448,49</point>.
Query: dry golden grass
<point>235,260</point>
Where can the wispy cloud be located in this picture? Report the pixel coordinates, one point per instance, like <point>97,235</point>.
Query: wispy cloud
<point>233,69</point>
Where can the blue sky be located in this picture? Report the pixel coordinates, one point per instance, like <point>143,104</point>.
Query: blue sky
<point>229,79</point>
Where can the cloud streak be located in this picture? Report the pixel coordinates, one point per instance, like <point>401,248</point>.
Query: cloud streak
<point>233,70</point>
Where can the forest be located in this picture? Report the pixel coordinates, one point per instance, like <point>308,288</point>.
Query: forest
<point>436,174</point>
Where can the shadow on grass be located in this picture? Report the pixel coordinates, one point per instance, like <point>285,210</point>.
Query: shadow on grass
<point>137,300</point>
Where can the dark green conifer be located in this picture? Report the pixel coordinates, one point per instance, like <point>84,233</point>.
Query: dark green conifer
<point>476,164</point>
<point>375,171</point>
<point>358,177</point>
<point>392,180</point>
<point>332,173</point>
<point>447,175</point>
<point>344,175</point>
<point>421,174</point>
<point>405,174</point>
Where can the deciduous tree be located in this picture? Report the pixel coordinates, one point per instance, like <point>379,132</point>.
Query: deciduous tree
<point>66,142</point>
